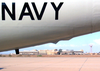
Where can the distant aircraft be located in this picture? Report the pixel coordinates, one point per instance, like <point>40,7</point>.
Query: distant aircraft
<point>33,22</point>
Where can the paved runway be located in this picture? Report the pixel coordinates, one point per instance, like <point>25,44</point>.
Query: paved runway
<point>49,63</point>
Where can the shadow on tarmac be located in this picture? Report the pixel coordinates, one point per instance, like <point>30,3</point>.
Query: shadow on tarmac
<point>1,68</point>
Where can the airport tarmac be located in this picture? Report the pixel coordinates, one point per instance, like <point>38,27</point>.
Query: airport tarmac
<point>49,63</point>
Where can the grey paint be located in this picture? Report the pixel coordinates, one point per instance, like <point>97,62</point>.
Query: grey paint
<point>76,17</point>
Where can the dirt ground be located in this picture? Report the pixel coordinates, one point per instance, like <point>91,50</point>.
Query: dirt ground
<point>49,55</point>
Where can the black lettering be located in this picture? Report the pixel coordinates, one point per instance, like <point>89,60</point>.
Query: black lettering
<point>29,13</point>
<point>56,9</point>
<point>4,7</point>
<point>39,16</point>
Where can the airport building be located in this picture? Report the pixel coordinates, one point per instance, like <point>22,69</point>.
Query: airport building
<point>32,52</point>
<point>78,52</point>
<point>52,52</point>
<point>42,52</point>
<point>66,52</point>
<point>71,52</point>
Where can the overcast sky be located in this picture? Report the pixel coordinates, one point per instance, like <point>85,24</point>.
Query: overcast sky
<point>76,43</point>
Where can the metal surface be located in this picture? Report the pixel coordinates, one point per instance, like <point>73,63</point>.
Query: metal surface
<point>76,17</point>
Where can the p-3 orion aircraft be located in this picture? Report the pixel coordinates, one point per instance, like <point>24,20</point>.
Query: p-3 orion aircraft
<point>34,22</point>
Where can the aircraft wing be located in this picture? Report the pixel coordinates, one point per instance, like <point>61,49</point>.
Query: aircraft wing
<point>27,23</point>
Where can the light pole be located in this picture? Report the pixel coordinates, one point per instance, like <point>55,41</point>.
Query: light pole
<point>90,48</point>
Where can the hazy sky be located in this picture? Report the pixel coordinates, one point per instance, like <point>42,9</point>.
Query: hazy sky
<point>76,43</point>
